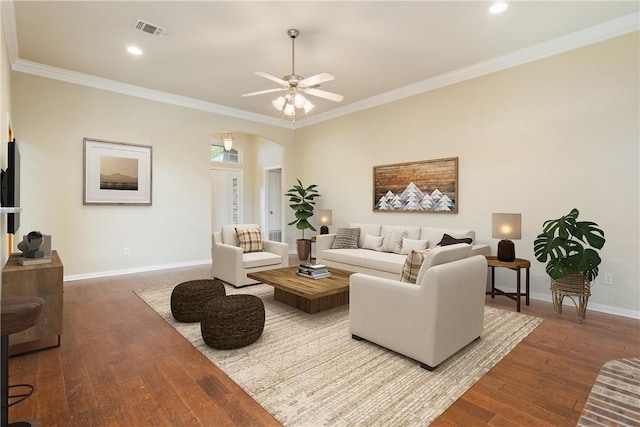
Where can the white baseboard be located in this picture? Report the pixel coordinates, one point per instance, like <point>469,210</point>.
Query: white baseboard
<point>634,314</point>
<point>99,274</point>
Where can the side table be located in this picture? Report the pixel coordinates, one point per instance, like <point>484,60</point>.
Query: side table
<point>516,265</point>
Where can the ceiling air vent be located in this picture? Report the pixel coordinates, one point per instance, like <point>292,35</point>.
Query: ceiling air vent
<point>148,28</point>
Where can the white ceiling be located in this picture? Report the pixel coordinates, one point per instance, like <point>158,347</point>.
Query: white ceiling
<point>377,51</point>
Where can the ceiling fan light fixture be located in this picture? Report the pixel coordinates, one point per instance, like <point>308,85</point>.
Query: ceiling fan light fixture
<point>299,100</point>
<point>289,109</point>
<point>279,103</point>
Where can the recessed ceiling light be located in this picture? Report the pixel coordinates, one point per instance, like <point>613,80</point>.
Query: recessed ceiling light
<point>498,7</point>
<point>134,50</point>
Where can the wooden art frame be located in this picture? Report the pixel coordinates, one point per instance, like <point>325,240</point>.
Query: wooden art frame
<point>427,186</point>
<point>116,173</point>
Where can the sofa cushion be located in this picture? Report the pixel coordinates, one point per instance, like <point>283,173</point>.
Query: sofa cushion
<point>434,235</point>
<point>448,240</point>
<point>346,238</point>
<point>412,266</point>
<point>392,241</point>
<point>441,255</point>
<point>372,242</point>
<point>260,259</point>
<point>409,245</point>
<point>372,229</point>
<point>382,261</point>
<point>250,240</point>
<point>412,232</point>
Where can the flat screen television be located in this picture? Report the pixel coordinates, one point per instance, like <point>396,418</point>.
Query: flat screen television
<point>11,186</point>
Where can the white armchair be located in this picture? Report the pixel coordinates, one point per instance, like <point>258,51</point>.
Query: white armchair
<point>428,321</point>
<point>231,264</point>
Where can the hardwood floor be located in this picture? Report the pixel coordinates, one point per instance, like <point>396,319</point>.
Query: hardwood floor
<point>120,364</point>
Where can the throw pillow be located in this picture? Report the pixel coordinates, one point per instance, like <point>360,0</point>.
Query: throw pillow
<point>409,245</point>
<point>372,242</point>
<point>250,240</point>
<point>393,241</point>
<point>412,266</point>
<point>448,240</point>
<point>346,238</point>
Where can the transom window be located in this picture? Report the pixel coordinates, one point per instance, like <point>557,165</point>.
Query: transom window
<point>219,154</point>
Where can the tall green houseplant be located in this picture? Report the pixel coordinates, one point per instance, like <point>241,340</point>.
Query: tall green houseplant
<point>302,201</point>
<point>570,246</point>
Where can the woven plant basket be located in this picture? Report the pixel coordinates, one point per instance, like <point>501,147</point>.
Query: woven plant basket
<point>572,286</point>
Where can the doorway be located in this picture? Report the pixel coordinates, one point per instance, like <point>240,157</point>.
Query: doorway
<point>273,205</point>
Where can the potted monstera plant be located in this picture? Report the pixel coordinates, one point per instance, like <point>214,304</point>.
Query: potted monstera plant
<point>302,201</point>
<point>569,247</point>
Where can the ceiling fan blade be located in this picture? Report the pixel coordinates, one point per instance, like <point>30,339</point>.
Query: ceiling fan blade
<point>273,78</point>
<point>316,80</point>
<point>262,92</point>
<point>324,94</point>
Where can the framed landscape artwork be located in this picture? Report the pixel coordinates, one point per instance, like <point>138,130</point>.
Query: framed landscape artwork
<point>421,186</point>
<point>116,173</point>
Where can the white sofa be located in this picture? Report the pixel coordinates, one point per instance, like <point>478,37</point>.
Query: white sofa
<point>385,264</point>
<point>428,321</point>
<point>231,264</point>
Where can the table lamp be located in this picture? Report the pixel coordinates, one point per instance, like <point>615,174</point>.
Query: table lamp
<point>324,219</point>
<point>506,226</point>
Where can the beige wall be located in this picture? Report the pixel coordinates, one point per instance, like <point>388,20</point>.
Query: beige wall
<point>538,139</point>
<point>5,113</point>
<point>51,118</point>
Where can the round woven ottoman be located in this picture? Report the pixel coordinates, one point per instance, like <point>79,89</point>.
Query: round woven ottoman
<point>188,298</point>
<point>233,321</point>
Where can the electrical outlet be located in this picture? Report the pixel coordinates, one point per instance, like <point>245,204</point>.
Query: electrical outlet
<point>608,278</point>
<point>126,251</point>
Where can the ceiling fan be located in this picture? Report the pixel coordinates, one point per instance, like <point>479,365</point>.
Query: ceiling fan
<point>296,86</point>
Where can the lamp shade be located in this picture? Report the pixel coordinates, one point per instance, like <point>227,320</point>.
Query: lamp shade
<point>324,216</point>
<point>507,226</point>
<point>324,219</point>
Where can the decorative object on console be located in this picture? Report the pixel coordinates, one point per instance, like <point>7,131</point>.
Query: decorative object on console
<point>423,186</point>
<point>116,173</point>
<point>506,226</point>
<point>35,248</point>
<point>570,246</point>
<point>302,201</point>
<point>324,218</point>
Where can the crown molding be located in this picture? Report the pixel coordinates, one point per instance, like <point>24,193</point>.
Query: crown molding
<point>82,79</point>
<point>8,13</point>
<point>607,30</point>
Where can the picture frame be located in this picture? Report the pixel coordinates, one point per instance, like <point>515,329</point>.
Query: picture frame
<point>117,173</point>
<point>426,186</point>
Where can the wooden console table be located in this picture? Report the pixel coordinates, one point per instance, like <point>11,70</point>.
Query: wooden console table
<point>42,280</point>
<point>516,265</point>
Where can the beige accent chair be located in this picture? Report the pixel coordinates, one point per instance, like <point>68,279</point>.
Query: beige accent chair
<point>428,321</point>
<point>231,265</point>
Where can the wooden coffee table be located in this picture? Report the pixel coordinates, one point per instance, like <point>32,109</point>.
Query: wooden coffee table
<point>308,295</point>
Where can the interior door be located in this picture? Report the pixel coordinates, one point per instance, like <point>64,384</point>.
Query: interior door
<point>226,198</point>
<point>274,204</point>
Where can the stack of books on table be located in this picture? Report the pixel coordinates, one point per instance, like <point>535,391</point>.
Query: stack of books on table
<point>313,271</point>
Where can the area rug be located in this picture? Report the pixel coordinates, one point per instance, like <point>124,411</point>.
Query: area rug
<point>615,396</point>
<point>306,370</point>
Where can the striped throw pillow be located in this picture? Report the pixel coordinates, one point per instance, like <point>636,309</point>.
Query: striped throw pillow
<point>412,266</point>
<point>346,238</point>
<point>250,240</point>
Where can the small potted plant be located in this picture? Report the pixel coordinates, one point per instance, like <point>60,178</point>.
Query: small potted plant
<point>570,246</point>
<point>301,200</point>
